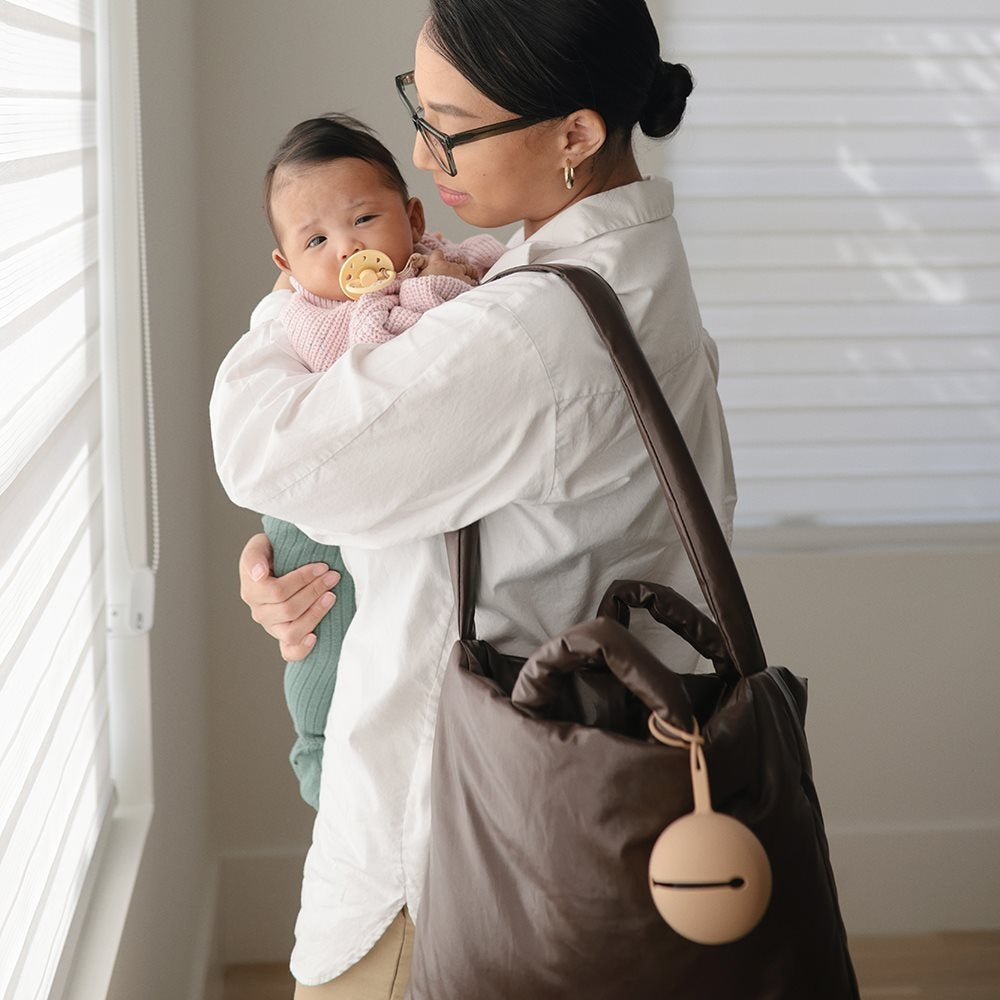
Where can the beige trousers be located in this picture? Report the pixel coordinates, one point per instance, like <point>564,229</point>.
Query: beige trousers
<point>383,974</point>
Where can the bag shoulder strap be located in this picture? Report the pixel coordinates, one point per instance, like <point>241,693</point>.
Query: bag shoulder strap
<point>695,519</point>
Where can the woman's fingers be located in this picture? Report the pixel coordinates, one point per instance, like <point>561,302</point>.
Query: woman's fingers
<point>297,638</point>
<point>255,561</point>
<point>280,600</point>
<point>288,607</point>
<point>293,653</point>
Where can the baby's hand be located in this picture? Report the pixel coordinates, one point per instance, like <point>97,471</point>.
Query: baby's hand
<point>416,263</point>
<point>436,263</point>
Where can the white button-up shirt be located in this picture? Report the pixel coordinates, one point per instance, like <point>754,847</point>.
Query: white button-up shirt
<point>500,406</point>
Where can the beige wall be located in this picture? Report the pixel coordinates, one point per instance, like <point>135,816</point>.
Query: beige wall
<point>262,68</point>
<point>168,933</point>
<point>900,647</point>
<point>901,652</point>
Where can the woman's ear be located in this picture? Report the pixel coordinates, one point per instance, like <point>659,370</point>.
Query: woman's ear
<point>583,134</point>
<point>280,261</point>
<point>415,213</point>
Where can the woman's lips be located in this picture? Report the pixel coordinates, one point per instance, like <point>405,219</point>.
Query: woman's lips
<point>450,197</point>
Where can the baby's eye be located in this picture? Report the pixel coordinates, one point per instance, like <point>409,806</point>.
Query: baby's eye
<point>362,219</point>
<point>316,241</point>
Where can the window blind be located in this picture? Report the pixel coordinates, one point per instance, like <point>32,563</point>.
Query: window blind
<point>55,781</point>
<point>837,179</point>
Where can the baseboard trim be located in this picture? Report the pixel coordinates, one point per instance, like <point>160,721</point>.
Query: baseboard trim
<point>892,880</point>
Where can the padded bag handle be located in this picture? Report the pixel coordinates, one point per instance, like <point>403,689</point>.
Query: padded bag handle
<point>692,511</point>
<point>543,678</point>
<point>674,610</point>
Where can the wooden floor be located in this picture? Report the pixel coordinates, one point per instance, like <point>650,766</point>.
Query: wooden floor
<point>932,967</point>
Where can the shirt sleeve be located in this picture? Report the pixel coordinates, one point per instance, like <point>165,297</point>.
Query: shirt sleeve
<point>418,436</point>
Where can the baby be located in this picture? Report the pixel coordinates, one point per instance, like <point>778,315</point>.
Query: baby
<point>334,196</point>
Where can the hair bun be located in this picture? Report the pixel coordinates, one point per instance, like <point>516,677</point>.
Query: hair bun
<point>667,99</point>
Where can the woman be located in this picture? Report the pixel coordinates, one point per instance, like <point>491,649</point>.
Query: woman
<point>500,406</point>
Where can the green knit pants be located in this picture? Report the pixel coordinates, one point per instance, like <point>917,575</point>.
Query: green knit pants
<point>309,683</point>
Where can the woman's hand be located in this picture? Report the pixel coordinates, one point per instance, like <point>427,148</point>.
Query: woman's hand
<point>287,607</point>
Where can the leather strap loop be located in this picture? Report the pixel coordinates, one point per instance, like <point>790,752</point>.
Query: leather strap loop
<point>463,561</point>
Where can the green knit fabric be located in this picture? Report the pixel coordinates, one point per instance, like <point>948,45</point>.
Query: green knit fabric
<point>309,683</point>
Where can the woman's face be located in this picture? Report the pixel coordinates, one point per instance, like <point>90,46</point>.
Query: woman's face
<point>501,179</point>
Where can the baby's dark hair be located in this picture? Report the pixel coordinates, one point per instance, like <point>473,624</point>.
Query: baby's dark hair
<point>327,138</point>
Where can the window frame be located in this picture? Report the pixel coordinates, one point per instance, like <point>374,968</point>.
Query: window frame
<point>88,959</point>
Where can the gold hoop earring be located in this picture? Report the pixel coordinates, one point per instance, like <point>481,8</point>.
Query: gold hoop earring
<point>569,175</point>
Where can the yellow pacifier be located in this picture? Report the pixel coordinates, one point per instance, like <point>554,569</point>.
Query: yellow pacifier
<point>366,271</point>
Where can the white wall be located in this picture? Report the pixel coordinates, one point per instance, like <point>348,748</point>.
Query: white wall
<point>900,647</point>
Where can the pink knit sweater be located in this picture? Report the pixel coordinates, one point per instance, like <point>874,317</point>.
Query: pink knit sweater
<point>321,330</point>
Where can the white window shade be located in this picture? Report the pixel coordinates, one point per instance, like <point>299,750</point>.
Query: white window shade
<point>56,788</point>
<point>837,183</point>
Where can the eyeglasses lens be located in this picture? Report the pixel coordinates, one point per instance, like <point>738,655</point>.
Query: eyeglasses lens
<point>438,151</point>
<point>431,141</point>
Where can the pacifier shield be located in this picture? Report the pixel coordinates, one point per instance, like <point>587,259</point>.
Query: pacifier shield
<point>366,271</point>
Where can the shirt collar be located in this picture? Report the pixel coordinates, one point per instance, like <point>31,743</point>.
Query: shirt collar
<point>648,200</point>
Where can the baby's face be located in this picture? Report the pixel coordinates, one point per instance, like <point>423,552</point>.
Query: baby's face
<point>324,212</point>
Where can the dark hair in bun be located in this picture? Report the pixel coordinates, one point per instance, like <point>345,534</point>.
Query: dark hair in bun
<point>548,58</point>
<point>664,107</point>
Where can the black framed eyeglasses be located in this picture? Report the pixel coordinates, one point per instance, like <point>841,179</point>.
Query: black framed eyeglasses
<point>439,143</point>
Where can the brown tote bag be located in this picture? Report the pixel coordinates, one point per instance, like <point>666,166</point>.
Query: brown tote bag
<point>548,791</point>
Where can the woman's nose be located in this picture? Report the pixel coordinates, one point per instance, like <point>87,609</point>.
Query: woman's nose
<point>422,158</point>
